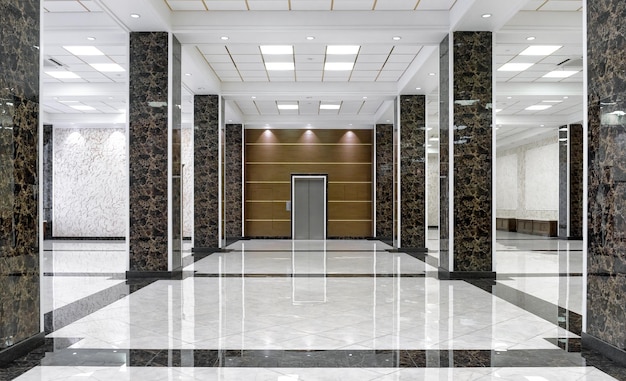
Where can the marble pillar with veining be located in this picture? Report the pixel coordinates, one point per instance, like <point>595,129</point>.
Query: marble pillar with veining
<point>384,181</point>
<point>413,172</point>
<point>444,153</point>
<point>46,178</point>
<point>19,139</point>
<point>576,175</point>
<point>606,249</point>
<point>149,144</point>
<point>206,172</point>
<point>233,177</point>
<point>470,155</point>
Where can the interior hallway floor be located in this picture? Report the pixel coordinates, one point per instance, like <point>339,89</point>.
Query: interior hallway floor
<point>287,310</point>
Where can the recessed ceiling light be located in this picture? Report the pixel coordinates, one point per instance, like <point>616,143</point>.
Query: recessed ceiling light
<point>287,106</point>
<point>82,108</point>
<point>277,49</point>
<point>530,38</point>
<point>509,97</point>
<point>540,50</point>
<point>542,125</point>
<point>224,38</point>
<point>418,88</point>
<point>553,101</point>
<point>486,15</point>
<point>107,67</point>
<point>560,74</point>
<point>253,97</point>
<point>498,109</point>
<point>342,49</point>
<point>62,74</point>
<point>310,38</point>
<point>397,38</point>
<point>515,66</point>
<point>84,50</point>
<point>279,66</point>
<point>91,38</point>
<point>538,107</point>
<point>339,66</point>
<point>135,15</point>
<point>432,74</point>
<point>565,97</point>
<point>330,107</point>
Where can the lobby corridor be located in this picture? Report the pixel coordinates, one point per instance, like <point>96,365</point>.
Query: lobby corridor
<point>287,310</point>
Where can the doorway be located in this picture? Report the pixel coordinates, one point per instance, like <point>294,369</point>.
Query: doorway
<point>308,209</point>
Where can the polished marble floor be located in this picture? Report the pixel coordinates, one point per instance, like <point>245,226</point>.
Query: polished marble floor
<point>327,310</point>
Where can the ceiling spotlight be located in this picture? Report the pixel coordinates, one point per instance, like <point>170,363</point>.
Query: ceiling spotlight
<point>91,38</point>
<point>486,15</point>
<point>432,74</point>
<point>310,38</point>
<point>418,88</point>
<point>253,97</point>
<point>188,74</point>
<point>224,38</point>
<point>530,38</point>
<point>397,38</point>
<point>135,15</point>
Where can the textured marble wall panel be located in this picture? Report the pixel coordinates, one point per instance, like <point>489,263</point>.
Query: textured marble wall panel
<point>176,195</point>
<point>206,174</point>
<point>187,160</point>
<point>444,152</point>
<point>413,171</point>
<point>384,181</point>
<point>606,252</point>
<point>473,154</point>
<point>576,180</point>
<point>233,206</point>
<point>542,178</point>
<point>148,147</point>
<point>433,190</point>
<point>19,133</point>
<point>548,146</point>
<point>563,179</point>
<point>90,195</point>
<point>506,185</point>
<point>46,178</point>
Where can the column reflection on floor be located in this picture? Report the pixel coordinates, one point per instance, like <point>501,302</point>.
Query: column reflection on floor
<point>331,310</point>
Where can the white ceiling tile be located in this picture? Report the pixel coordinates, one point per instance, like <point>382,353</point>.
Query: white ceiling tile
<point>309,58</point>
<point>268,5</point>
<point>186,5</point>
<point>243,49</point>
<point>251,66</point>
<point>353,5</point>
<point>248,58</point>
<point>375,49</point>
<point>435,5</point>
<point>395,5</point>
<point>310,49</point>
<point>365,75</point>
<point>91,5</point>
<point>64,6</point>
<point>395,58</point>
<point>218,58</point>
<point>401,66</point>
<point>226,5</point>
<point>223,66</point>
<point>533,5</point>
<point>407,49</point>
<point>209,49</point>
<point>311,5</point>
<point>562,5</point>
<point>374,66</point>
<point>379,58</point>
<point>309,66</point>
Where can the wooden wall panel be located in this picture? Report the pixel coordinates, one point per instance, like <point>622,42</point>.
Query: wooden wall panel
<point>272,156</point>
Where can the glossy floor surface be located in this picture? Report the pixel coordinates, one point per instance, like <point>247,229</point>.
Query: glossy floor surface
<point>324,310</point>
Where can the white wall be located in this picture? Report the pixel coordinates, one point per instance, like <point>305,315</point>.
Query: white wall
<point>527,181</point>
<point>90,182</point>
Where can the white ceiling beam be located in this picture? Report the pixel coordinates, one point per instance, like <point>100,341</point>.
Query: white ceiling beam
<point>84,89</point>
<point>315,90</point>
<point>85,119</point>
<point>532,120</point>
<point>539,89</point>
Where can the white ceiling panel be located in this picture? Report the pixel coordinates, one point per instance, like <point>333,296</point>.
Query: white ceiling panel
<point>59,6</point>
<point>353,5</point>
<point>188,5</point>
<point>402,5</point>
<point>268,5</point>
<point>226,5</point>
<point>436,5</point>
<point>310,5</point>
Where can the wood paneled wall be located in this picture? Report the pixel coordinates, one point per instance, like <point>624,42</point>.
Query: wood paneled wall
<point>273,155</point>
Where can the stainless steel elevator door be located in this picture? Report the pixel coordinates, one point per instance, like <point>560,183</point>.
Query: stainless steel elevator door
<point>309,208</point>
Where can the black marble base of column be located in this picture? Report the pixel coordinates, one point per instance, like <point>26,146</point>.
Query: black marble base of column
<point>176,274</point>
<point>463,275</point>
<point>209,250</point>
<point>409,250</point>
<point>20,349</point>
<point>574,238</point>
<point>231,240</point>
<point>94,238</point>
<point>612,352</point>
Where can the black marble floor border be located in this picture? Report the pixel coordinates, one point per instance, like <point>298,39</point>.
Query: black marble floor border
<point>308,251</point>
<point>269,275</point>
<point>314,358</point>
<point>505,276</point>
<point>535,250</point>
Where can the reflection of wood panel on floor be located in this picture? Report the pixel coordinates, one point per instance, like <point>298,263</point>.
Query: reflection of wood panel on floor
<point>272,156</point>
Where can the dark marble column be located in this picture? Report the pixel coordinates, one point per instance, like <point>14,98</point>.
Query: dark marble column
<point>19,218</point>
<point>233,205</point>
<point>466,241</point>
<point>384,182</point>
<point>606,248</point>
<point>576,174</point>
<point>413,173</point>
<point>206,172</point>
<point>47,157</point>
<point>154,192</point>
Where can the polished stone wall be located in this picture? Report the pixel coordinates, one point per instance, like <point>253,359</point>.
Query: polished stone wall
<point>206,174</point>
<point>471,189</point>
<point>233,206</point>
<point>606,251</point>
<point>384,181</point>
<point>46,178</point>
<point>444,153</point>
<point>563,164</point>
<point>19,139</point>
<point>576,176</point>
<point>413,172</point>
<point>149,143</point>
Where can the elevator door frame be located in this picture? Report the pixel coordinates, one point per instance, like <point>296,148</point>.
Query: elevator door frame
<point>324,178</point>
